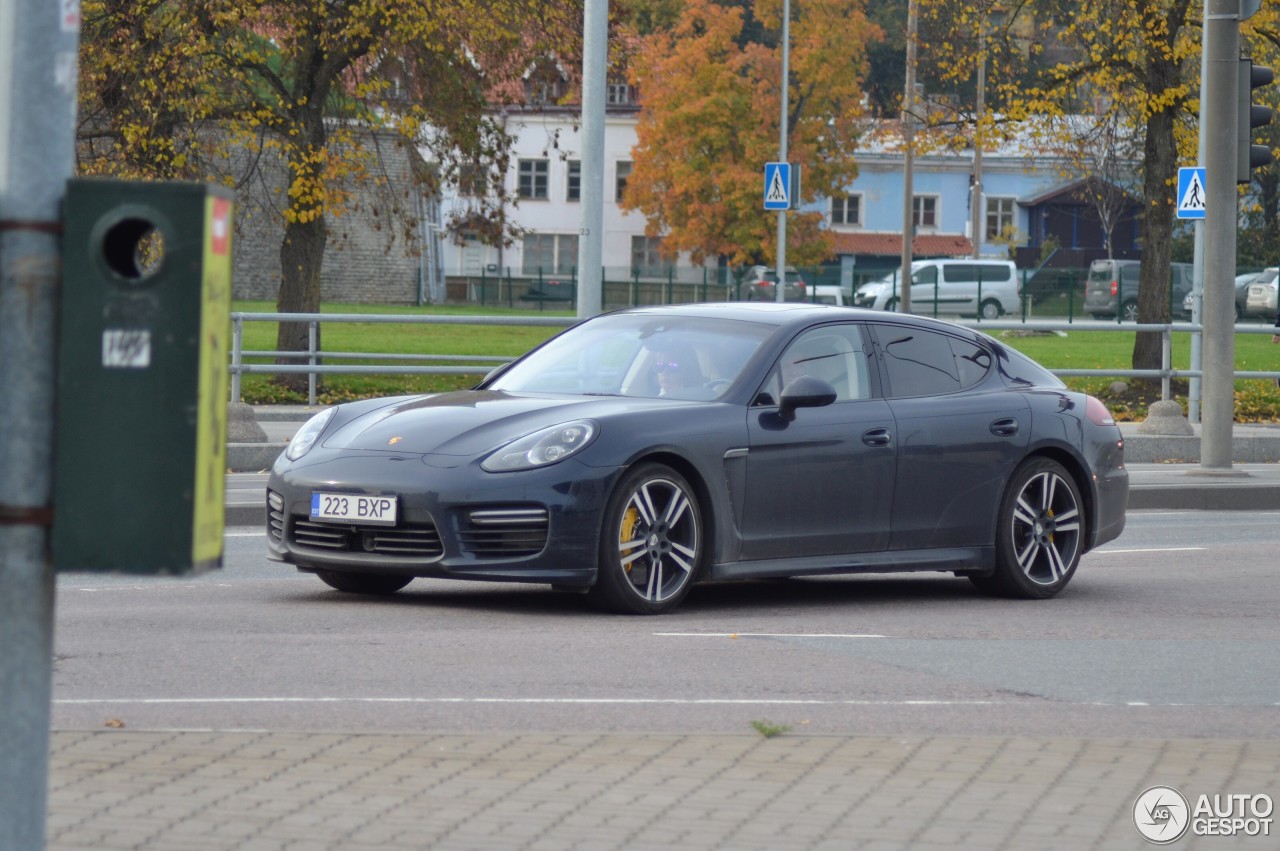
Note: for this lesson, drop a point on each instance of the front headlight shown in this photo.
(307, 436)
(542, 447)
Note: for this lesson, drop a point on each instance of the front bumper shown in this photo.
(454, 519)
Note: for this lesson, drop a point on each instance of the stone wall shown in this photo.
(373, 252)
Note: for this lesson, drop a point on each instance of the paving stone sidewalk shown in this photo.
(260, 791)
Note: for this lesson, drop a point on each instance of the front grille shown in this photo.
(504, 532)
(413, 540)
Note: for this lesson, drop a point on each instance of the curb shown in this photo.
(1169, 449)
(252, 457)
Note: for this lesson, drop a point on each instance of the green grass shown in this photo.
(392, 339)
(1256, 401)
(768, 729)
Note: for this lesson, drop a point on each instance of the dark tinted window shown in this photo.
(1018, 370)
(925, 363)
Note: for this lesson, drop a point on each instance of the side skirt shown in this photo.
(969, 560)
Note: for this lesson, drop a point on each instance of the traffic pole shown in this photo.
(39, 42)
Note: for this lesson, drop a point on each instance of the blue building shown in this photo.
(1034, 211)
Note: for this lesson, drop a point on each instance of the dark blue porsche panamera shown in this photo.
(641, 451)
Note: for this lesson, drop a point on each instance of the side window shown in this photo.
(925, 275)
(961, 273)
(833, 353)
(925, 363)
(972, 361)
(996, 272)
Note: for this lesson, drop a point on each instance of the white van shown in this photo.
(988, 288)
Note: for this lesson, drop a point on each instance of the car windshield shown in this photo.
(640, 355)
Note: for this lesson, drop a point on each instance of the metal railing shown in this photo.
(481, 364)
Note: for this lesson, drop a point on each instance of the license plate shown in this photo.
(354, 508)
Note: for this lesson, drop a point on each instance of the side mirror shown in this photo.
(805, 392)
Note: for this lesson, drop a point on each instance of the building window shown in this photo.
(471, 181)
(620, 94)
(646, 256)
(925, 213)
(846, 210)
(550, 254)
(533, 179)
(620, 178)
(573, 184)
(567, 254)
(999, 217)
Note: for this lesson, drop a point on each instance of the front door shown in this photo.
(821, 484)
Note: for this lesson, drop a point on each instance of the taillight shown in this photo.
(1115, 288)
(1097, 412)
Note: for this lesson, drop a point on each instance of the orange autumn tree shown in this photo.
(710, 115)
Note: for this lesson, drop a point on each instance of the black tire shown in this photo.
(363, 583)
(1130, 311)
(650, 544)
(1040, 533)
(990, 309)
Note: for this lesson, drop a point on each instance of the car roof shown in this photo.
(796, 313)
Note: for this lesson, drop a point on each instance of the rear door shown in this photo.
(960, 432)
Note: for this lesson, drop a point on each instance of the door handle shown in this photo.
(1007, 427)
(877, 437)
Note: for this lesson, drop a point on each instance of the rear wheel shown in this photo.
(363, 583)
(1040, 533)
(1130, 311)
(651, 543)
(990, 309)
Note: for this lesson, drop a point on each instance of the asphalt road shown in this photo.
(1170, 631)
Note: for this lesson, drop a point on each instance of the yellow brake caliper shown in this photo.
(630, 520)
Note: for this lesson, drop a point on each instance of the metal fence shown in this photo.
(394, 363)
(1045, 293)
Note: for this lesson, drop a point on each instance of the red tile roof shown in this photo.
(890, 244)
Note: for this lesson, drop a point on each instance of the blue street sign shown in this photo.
(777, 186)
(1191, 193)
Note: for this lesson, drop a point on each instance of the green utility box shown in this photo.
(142, 384)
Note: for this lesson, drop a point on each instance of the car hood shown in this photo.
(469, 422)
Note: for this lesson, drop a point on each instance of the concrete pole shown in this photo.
(908, 161)
(595, 64)
(38, 66)
(1221, 54)
(780, 291)
(979, 220)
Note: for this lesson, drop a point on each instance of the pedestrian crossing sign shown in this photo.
(777, 186)
(1191, 199)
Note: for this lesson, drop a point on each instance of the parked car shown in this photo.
(1261, 297)
(760, 284)
(1241, 293)
(551, 290)
(1113, 285)
(827, 294)
(955, 287)
(800, 440)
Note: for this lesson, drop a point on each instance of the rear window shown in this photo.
(1100, 272)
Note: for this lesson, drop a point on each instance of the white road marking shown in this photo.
(1109, 552)
(767, 635)
(605, 701)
